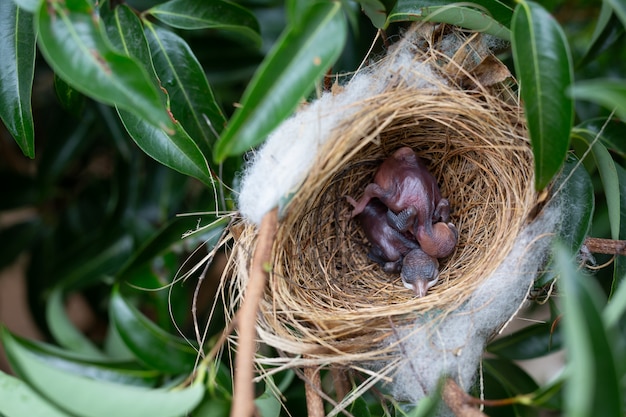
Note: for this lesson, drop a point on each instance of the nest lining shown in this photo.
(325, 298)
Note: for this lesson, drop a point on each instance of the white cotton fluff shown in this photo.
(453, 345)
(280, 166)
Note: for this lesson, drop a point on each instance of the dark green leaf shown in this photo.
(375, 10)
(174, 149)
(592, 387)
(18, 399)
(610, 132)
(167, 236)
(575, 186)
(489, 16)
(89, 397)
(18, 238)
(181, 75)
(289, 72)
(620, 9)
(608, 93)
(608, 30)
(17, 43)
(71, 100)
(619, 270)
(528, 343)
(72, 39)
(359, 408)
(64, 331)
(544, 69)
(150, 344)
(512, 381)
(177, 151)
(608, 174)
(216, 14)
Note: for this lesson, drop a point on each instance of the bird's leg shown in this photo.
(442, 211)
(402, 221)
(372, 190)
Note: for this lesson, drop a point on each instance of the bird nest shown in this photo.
(325, 299)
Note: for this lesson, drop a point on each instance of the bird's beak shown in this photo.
(420, 287)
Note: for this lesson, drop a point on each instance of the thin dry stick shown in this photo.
(606, 246)
(314, 403)
(243, 396)
(458, 401)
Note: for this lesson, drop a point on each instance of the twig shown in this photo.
(459, 401)
(341, 383)
(606, 246)
(314, 403)
(243, 396)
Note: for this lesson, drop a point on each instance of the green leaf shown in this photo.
(21, 236)
(288, 73)
(608, 174)
(592, 387)
(620, 9)
(608, 93)
(71, 100)
(181, 75)
(375, 10)
(174, 149)
(489, 16)
(18, 399)
(168, 235)
(267, 404)
(511, 381)
(150, 344)
(619, 269)
(30, 6)
(89, 397)
(64, 331)
(544, 68)
(607, 31)
(216, 14)
(610, 132)
(575, 184)
(72, 39)
(17, 66)
(528, 343)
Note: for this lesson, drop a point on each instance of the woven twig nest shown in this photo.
(325, 299)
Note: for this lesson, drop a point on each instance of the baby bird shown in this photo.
(411, 193)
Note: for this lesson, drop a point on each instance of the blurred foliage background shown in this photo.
(124, 126)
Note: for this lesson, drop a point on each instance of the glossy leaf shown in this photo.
(150, 344)
(592, 386)
(72, 39)
(608, 93)
(181, 75)
(489, 16)
(375, 10)
(64, 331)
(89, 397)
(17, 66)
(267, 404)
(216, 14)
(528, 343)
(168, 235)
(544, 68)
(620, 9)
(619, 269)
(611, 133)
(575, 186)
(18, 399)
(300, 57)
(608, 174)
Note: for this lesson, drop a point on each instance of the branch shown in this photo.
(243, 396)
(606, 246)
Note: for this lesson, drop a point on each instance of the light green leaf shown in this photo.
(608, 93)
(150, 344)
(17, 66)
(608, 174)
(72, 39)
(289, 72)
(592, 387)
(544, 68)
(17, 399)
(214, 14)
(30, 6)
(64, 331)
(489, 16)
(620, 9)
(375, 10)
(88, 397)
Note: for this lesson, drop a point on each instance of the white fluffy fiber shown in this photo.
(452, 346)
(280, 166)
